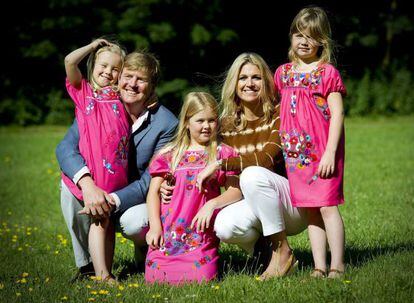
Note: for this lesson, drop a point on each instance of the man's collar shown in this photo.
(141, 119)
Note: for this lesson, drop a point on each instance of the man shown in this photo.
(153, 126)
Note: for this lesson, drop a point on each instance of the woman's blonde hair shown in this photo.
(113, 48)
(316, 21)
(194, 102)
(232, 108)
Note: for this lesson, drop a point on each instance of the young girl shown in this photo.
(182, 243)
(312, 137)
(104, 131)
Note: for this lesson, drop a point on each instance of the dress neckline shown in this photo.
(313, 70)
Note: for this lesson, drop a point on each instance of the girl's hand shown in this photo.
(154, 238)
(203, 217)
(166, 192)
(206, 174)
(99, 42)
(326, 166)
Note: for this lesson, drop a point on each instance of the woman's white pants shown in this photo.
(266, 208)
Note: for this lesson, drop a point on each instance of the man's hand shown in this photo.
(98, 203)
(166, 192)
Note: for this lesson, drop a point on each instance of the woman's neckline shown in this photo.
(254, 120)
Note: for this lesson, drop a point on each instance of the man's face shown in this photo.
(134, 86)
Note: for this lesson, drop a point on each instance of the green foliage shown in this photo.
(171, 93)
(191, 37)
(381, 94)
(61, 110)
(41, 50)
(20, 112)
(139, 41)
(200, 35)
(227, 35)
(161, 32)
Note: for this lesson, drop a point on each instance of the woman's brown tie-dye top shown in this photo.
(258, 145)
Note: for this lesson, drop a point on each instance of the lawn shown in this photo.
(36, 254)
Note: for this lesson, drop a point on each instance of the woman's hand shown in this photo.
(326, 166)
(166, 192)
(154, 237)
(206, 174)
(203, 217)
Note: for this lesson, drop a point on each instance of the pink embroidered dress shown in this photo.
(304, 130)
(104, 131)
(187, 256)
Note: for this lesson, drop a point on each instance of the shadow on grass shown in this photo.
(238, 262)
(126, 268)
(235, 261)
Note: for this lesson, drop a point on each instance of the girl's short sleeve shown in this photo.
(159, 166)
(225, 152)
(333, 82)
(80, 96)
(277, 80)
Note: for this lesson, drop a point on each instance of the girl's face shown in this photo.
(249, 84)
(305, 47)
(202, 127)
(107, 68)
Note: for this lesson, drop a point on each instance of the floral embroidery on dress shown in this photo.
(180, 238)
(90, 107)
(166, 215)
(115, 109)
(106, 94)
(292, 78)
(108, 167)
(193, 159)
(293, 104)
(152, 264)
(298, 149)
(323, 107)
(203, 261)
(190, 180)
(122, 150)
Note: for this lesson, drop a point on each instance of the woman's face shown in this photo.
(249, 84)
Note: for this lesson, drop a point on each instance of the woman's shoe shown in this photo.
(335, 273)
(289, 268)
(318, 273)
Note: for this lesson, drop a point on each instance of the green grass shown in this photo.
(36, 255)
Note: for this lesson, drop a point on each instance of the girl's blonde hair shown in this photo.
(113, 48)
(194, 102)
(316, 21)
(232, 108)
